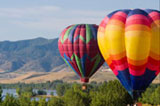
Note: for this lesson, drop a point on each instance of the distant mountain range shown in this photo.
(39, 55)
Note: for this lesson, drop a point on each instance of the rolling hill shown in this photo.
(39, 55)
(59, 73)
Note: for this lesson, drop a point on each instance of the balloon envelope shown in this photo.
(129, 41)
(79, 49)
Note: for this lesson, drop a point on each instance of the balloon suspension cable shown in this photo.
(135, 95)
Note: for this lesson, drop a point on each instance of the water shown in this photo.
(9, 91)
(13, 92)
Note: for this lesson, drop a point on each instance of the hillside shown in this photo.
(39, 55)
(59, 73)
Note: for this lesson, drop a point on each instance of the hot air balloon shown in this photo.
(129, 41)
(79, 49)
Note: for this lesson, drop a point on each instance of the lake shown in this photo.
(13, 92)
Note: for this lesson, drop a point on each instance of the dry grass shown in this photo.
(157, 79)
(64, 74)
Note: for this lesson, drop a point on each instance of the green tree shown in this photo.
(25, 99)
(76, 97)
(10, 101)
(42, 102)
(28, 90)
(54, 101)
(146, 96)
(1, 91)
(34, 103)
(155, 97)
(18, 91)
(151, 95)
(72, 98)
(99, 97)
(111, 94)
(61, 89)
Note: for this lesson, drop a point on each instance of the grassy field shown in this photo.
(64, 74)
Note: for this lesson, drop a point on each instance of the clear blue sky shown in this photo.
(27, 19)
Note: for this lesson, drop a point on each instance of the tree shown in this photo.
(34, 103)
(10, 101)
(72, 98)
(25, 99)
(61, 89)
(111, 94)
(151, 95)
(146, 96)
(42, 102)
(155, 97)
(18, 91)
(1, 91)
(54, 101)
(76, 97)
(28, 90)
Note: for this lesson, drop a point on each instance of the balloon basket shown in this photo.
(84, 81)
(84, 86)
(136, 104)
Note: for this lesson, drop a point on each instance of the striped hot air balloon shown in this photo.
(129, 41)
(79, 49)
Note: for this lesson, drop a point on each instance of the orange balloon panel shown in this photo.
(129, 41)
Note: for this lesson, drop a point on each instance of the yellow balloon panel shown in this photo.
(137, 44)
(101, 42)
(114, 36)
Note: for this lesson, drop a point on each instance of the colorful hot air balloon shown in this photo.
(79, 49)
(129, 41)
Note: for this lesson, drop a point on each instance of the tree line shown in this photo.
(47, 85)
(109, 93)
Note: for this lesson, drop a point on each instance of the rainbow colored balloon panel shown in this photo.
(129, 41)
(79, 49)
